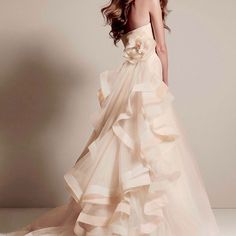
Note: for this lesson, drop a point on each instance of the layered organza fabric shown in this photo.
(135, 176)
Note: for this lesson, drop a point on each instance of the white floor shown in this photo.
(11, 219)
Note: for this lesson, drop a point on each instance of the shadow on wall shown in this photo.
(33, 94)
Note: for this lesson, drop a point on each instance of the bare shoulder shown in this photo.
(152, 4)
(144, 4)
(154, 7)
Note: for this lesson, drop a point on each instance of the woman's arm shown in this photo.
(159, 34)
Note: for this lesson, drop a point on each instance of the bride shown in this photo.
(135, 175)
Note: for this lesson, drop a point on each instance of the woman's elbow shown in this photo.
(161, 48)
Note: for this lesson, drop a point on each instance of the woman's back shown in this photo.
(138, 15)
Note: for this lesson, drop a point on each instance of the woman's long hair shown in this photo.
(116, 15)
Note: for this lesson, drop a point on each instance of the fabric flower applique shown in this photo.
(138, 48)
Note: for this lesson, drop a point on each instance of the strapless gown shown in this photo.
(136, 176)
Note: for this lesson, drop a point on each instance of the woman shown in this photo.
(135, 175)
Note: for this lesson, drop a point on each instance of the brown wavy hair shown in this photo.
(116, 15)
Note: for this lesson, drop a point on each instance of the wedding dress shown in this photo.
(135, 176)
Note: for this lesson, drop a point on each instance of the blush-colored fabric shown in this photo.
(136, 176)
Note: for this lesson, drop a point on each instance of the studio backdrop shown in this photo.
(52, 53)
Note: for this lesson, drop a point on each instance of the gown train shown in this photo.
(136, 176)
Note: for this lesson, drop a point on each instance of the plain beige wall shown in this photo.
(51, 55)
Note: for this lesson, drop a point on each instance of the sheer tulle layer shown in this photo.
(134, 153)
(135, 175)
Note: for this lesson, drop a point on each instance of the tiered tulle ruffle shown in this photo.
(152, 169)
(135, 176)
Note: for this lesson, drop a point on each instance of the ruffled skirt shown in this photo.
(135, 175)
